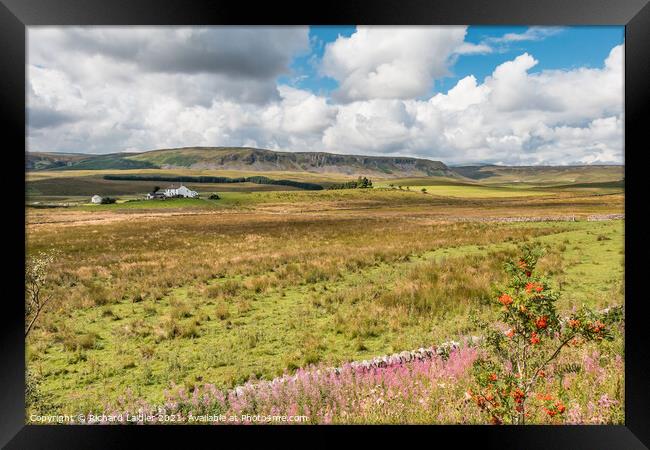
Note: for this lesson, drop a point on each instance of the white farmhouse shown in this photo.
(180, 191)
(96, 199)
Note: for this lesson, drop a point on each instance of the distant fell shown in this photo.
(243, 158)
(249, 159)
(542, 174)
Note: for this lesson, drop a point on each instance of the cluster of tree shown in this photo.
(211, 179)
(107, 200)
(360, 183)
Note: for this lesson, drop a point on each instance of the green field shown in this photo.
(320, 318)
(190, 291)
(78, 186)
(470, 191)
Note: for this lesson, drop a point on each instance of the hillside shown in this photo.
(556, 175)
(245, 159)
(46, 161)
(259, 161)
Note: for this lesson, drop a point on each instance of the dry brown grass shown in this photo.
(143, 256)
(327, 280)
(448, 285)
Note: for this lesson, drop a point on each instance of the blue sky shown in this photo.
(513, 95)
(305, 73)
(568, 48)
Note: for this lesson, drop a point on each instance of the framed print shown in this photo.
(361, 218)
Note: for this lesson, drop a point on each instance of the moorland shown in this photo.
(266, 280)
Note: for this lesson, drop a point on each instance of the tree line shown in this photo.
(213, 179)
(359, 183)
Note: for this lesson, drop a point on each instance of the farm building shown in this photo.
(154, 195)
(180, 191)
(96, 199)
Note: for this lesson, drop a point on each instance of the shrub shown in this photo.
(180, 310)
(129, 364)
(214, 197)
(251, 338)
(36, 277)
(147, 351)
(75, 342)
(150, 309)
(222, 311)
(87, 341)
(509, 373)
(229, 288)
(360, 346)
(367, 322)
(98, 294)
(36, 398)
(190, 331)
(167, 329)
(244, 305)
(258, 284)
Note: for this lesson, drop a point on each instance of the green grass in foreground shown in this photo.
(236, 327)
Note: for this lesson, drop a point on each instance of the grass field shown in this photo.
(543, 175)
(194, 291)
(76, 187)
(469, 191)
(499, 183)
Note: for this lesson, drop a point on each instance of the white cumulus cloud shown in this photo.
(391, 62)
(549, 117)
(99, 90)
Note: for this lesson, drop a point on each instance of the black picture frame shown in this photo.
(16, 15)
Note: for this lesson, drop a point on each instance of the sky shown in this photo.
(458, 94)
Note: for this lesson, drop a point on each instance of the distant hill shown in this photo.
(79, 161)
(260, 160)
(46, 161)
(242, 158)
(542, 174)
